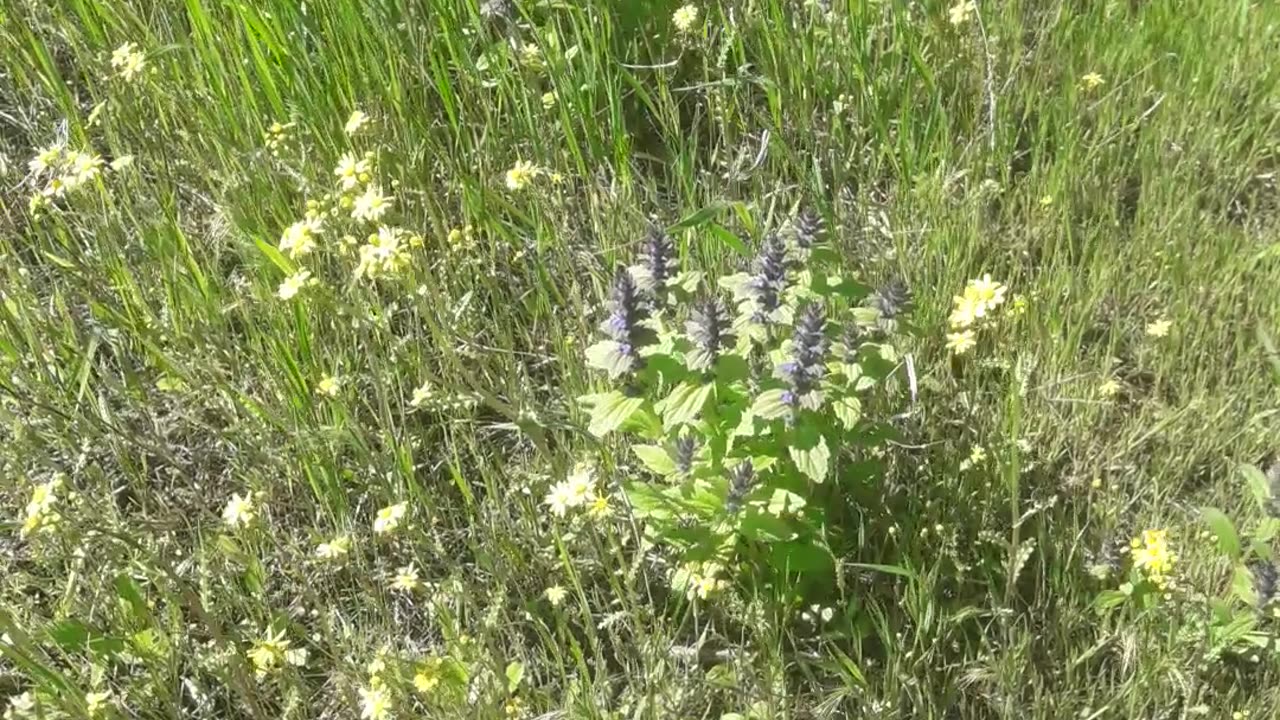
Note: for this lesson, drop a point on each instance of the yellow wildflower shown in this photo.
(962, 11)
(965, 311)
(300, 238)
(406, 579)
(988, 293)
(386, 253)
(357, 120)
(334, 549)
(685, 18)
(521, 175)
(1153, 556)
(96, 702)
(240, 511)
(128, 61)
(371, 205)
(1091, 81)
(294, 284)
(1109, 389)
(961, 342)
(268, 653)
(1159, 328)
(375, 702)
(555, 595)
(389, 518)
(329, 386)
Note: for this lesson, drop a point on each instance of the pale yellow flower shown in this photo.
(548, 100)
(268, 653)
(423, 394)
(334, 549)
(962, 11)
(531, 55)
(1091, 81)
(1159, 328)
(240, 511)
(375, 702)
(128, 61)
(1110, 388)
(555, 595)
(406, 579)
(81, 168)
(965, 311)
(961, 342)
(294, 284)
(704, 581)
(371, 205)
(388, 519)
(329, 386)
(1153, 556)
(300, 238)
(350, 170)
(988, 293)
(685, 18)
(49, 158)
(96, 703)
(386, 253)
(357, 120)
(521, 175)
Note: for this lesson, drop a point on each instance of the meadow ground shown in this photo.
(300, 299)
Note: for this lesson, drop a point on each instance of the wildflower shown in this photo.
(386, 253)
(559, 499)
(371, 205)
(531, 56)
(521, 175)
(120, 163)
(329, 386)
(658, 264)
(388, 519)
(375, 702)
(240, 511)
(581, 485)
(625, 324)
(41, 508)
(977, 456)
(987, 294)
(81, 168)
(57, 187)
(1091, 81)
(294, 284)
(128, 61)
(961, 11)
(685, 18)
(961, 342)
(1109, 389)
(268, 653)
(350, 171)
(276, 136)
(406, 579)
(686, 446)
(1018, 307)
(1152, 556)
(770, 279)
(808, 349)
(20, 706)
(964, 311)
(892, 299)
(96, 702)
(423, 394)
(703, 581)
(355, 121)
(710, 329)
(334, 549)
(548, 100)
(49, 158)
(600, 508)
(300, 238)
(741, 479)
(1159, 328)
(808, 229)
(555, 595)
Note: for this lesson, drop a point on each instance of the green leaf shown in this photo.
(606, 356)
(728, 239)
(655, 458)
(813, 461)
(1257, 482)
(515, 673)
(770, 406)
(1242, 585)
(687, 280)
(128, 591)
(1221, 526)
(802, 556)
(836, 285)
(848, 411)
(610, 411)
(651, 502)
(1108, 599)
(684, 403)
(698, 217)
(276, 258)
(735, 283)
(785, 502)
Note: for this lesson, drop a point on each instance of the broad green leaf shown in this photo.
(606, 356)
(275, 256)
(1221, 526)
(770, 405)
(1242, 585)
(1257, 482)
(785, 502)
(802, 556)
(684, 403)
(611, 410)
(735, 283)
(129, 592)
(656, 458)
(728, 239)
(687, 280)
(766, 528)
(515, 673)
(849, 411)
(1108, 599)
(698, 217)
(813, 461)
(651, 502)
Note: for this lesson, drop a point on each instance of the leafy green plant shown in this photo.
(750, 421)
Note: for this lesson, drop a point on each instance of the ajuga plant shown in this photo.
(743, 401)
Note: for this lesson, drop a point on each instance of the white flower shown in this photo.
(293, 284)
(300, 238)
(350, 170)
(555, 595)
(357, 120)
(961, 11)
(240, 511)
(334, 549)
(371, 205)
(389, 518)
(685, 18)
(406, 579)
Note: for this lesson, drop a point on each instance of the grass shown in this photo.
(150, 365)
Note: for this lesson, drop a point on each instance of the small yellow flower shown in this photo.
(521, 175)
(988, 293)
(1159, 328)
(962, 11)
(685, 18)
(49, 158)
(406, 579)
(1153, 556)
(1091, 81)
(548, 100)
(961, 342)
(268, 653)
(704, 581)
(300, 238)
(334, 549)
(386, 253)
(128, 61)
(555, 595)
(356, 121)
(388, 519)
(96, 702)
(240, 511)
(599, 508)
(1109, 388)
(427, 678)
(371, 205)
(423, 394)
(294, 284)
(329, 386)
(965, 311)
(81, 168)
(375, 702)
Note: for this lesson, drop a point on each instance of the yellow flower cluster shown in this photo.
(42, 513)
(980, 298)
(64, 170)
(277, 137)
(272, 652)
(386, 252)
(1153, 557)
(704, 580)
(128, 61)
